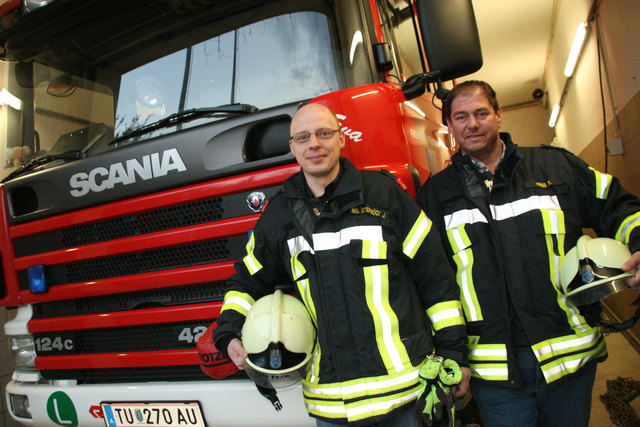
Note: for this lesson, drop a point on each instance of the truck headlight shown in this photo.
(20, 405)
(24, 352)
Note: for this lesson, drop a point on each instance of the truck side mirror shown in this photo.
(450, 37)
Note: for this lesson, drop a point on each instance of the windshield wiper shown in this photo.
(186, 116)
(41, 160)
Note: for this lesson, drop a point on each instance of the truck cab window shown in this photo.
(268, 63)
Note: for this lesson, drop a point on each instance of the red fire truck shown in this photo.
(140, 138)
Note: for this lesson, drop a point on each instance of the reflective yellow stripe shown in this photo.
(360, 409)
(297, 268)
(554, 225)
(392, 350)
(304, 291)
(374, 395)
(558, 368)
(250, 260)
(490, 371)
(238, 301)
(487, 352)
(416, 236)
(314, 368)
(361, 387)
(603, 183)
(444, 314)
(374, 250)
(627, 226)
(488, 361)
(463, 257)
(567, 344)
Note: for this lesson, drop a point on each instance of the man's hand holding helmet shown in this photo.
(237, 353)
(633, 263)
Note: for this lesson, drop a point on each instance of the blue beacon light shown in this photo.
(36, 278)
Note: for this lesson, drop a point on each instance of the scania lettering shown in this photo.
(143, 139)
(100, 178)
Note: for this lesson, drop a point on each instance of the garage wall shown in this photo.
(580, 126)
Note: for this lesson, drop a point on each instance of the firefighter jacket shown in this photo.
(506, 245)
(374, 277)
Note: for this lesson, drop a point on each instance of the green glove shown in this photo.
(435, 401)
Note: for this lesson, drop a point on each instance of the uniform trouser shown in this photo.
(534, 404)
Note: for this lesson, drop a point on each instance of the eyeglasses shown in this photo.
(322, 134)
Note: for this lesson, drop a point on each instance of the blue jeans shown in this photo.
(534, 404)
(406, 417)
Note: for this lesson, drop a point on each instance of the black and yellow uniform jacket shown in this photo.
(372, 273)
(506, 238)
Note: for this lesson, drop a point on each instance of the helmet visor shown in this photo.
(597, 291)
(275, 379)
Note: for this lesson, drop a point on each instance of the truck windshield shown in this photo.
(55, 106)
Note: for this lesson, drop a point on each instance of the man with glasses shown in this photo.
(363, 259)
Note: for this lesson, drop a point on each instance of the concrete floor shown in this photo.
(623, 361)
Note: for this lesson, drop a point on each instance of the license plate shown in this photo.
(157, 414)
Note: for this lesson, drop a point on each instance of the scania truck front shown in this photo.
(142, 138)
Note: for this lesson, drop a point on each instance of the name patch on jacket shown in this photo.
(370, 211)
(544, 184)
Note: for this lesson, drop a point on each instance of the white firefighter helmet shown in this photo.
(591, 270)
(279, 336)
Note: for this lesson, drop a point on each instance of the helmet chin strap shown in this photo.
(607, 328)
(270, 394)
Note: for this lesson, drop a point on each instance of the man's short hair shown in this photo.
(468, 87)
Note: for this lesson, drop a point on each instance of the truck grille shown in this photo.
(174, 296)
(137, 281)
(144, 262)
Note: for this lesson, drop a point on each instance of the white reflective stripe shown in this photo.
(567, 365)
(354, 412)
(238, 301)
(298, 244)
(554, 226)
(464, 216)
(560, 346)
(384, 319)
(417, 236)
(451, 313)
(333, 409)
(329, 241)
(522, 206)
(374, 250)
(498, 353)
(252, 263)
(605, 180)
(377, 407)
(458, 239)
(490, 372)
(465, 287)
(627, 227)
(367, 387)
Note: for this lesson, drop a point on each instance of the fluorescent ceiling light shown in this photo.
(554, 115)
(576, 48)
(7, 98)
